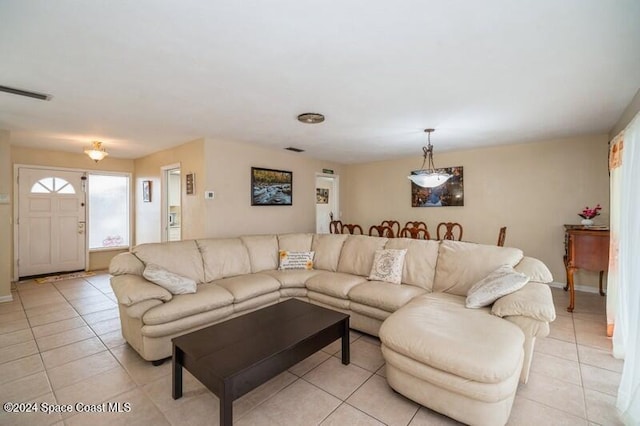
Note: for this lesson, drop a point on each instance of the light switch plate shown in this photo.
(209, 195)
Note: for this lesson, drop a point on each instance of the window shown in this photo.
(109, 217)
(52, 185)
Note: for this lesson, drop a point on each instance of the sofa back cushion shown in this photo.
(327, 248)
(357, 254)
(534, 269)
(419, 262)
(461, 265)
(224, 257)
(126, 263)
(295, 242)
(180, 257)
(263, 251)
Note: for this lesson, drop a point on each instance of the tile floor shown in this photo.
(61, 344)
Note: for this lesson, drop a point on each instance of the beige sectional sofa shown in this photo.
(463, 362)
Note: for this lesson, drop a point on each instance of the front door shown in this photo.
(51, 221)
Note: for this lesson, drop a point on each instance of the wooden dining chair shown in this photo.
(415, 224)
(450, 229)
(393, 224)
(415, 233)
(351, 228)
(502, 235)
(335, 227)
(382, 231)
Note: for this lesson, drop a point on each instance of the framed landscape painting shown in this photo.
(450, 193)
(271, 187)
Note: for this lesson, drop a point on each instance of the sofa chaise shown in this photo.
(465, 363)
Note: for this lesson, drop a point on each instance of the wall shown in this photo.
(228, 167)
(630, 111)
(148, 216)
(533, 189)
(6, 228)
(40, 157)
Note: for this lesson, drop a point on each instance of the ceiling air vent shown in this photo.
(294, 149)
(26, 93)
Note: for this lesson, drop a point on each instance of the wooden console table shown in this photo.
(585, 248)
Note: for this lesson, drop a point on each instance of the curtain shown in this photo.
(626, 335)
(615, 163)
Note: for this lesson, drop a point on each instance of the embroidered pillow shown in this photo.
(387, 266)
(504, 280)
(296, 260)
(176, 284)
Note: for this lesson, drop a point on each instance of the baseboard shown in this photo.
(583, 288)
(8, 298)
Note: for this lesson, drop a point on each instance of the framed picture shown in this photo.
(146, 191)
(450, 193)
(322, 195)
(271, 187)
(190, 183)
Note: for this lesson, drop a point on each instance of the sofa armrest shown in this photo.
(126, 263)
(137, 310)
(534, 300)
(130, 289)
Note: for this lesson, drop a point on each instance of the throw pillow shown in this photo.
(176, 284)
(296, 260)
(502, 281)
(387, 265)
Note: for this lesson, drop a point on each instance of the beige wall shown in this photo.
(148, 216)
(228, 166)
(6, 232)
(79, 161)
(533, 189)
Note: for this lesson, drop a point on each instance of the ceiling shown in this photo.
(146, 75)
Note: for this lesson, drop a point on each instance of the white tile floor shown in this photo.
(60, 343)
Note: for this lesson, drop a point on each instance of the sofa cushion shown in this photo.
(294, 278)
(263, 251)
(180, 257)
(290, 260)
(384, 295)
(208, 297)
(224, 257)
(419, 262)
(436, 329)
(295, 242)
(174, 283)
(357, 254)
(132, 289)
(327, 248)
(334, 284)
(504, 280)
(126, 263)
(244, 287)
(534, 269)
(461, 265)
(387, 265)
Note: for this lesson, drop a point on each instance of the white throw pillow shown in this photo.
(504, 280)
(296, 260)
(176, 284)
(387, 266)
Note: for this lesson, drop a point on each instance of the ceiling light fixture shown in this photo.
(311, 118)
(430, 177)
(96, 152)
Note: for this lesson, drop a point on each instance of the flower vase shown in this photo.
(586, 222)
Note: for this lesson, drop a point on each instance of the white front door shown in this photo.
(51, 221)
(327, 202)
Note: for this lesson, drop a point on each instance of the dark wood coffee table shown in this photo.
(233, 357)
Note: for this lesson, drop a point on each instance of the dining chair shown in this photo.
(393, 224)
(415, 233)
(335, 227)
(382, 231)
(350, 228)
(501, 236)
(449, 229)
(415, 224)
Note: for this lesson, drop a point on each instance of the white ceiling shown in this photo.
(146, 75)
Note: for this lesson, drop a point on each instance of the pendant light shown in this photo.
(96, 152)
(430, 177)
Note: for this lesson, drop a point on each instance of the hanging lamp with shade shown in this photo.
(429, 177)
(96, 151)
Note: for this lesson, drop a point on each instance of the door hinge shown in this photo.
(18, 262)
(18, 221)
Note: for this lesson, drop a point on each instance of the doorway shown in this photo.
(327, 201)
(51, 221)
(172, 203)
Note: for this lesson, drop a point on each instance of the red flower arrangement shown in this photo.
(588, 213)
